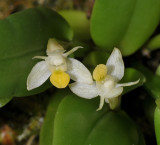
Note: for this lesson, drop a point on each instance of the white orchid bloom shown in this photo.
(106, 80)
(56, 66)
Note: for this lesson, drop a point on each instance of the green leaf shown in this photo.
(4, 101)
(152, 81)
(78, 122)
(47, 130)
(132, 75)
(79, 22)
(24, 35)
(125, 24)
(154, 43)
(157, 124)
(158, 103)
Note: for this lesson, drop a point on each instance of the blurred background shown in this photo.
(8, 7)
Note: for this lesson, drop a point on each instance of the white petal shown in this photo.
(101, 103)
(115, 65)
(39, 57)
(38, 75)
(106, 93)
(115, 92)
(72, 51)
(106, 100)
(128, 84)
(102, 90)
(52, 46)
(84, 90)
(78, 72)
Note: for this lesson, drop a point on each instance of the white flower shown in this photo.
(56, 66)
(106, 80)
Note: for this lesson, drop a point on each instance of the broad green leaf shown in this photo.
(154, 43)
(24, 35)
(78, 122)
(132, 75)
(4, 101)
(124, 24)
(157, 124)
(79, 22)
(47, 130)
(152, 81)
(158, 102)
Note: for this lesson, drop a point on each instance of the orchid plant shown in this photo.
(70, 111)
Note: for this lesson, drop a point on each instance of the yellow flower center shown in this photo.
(100, 72)
(59, 79)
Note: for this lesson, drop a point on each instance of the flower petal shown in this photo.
(101, 103)
(128, 84)
(78, 72)
(84, 90)
(115, 93)
(115, 65)
(106, 93)
(52, 46)
(38, 75)
(72, 51)
(39, 57)
(102, 90)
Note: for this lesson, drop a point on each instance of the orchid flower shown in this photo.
(55, 65)
(106, 80)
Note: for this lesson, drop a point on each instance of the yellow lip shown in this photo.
(59, 79)
(100, 72)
